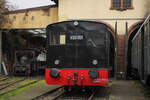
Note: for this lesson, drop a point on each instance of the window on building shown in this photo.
(121, 4)
(116, 3)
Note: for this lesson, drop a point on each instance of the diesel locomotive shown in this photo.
(79, 53)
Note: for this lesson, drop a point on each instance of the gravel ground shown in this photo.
(119, 90)
(128, 90)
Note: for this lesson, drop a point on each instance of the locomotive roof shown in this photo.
(66, 23)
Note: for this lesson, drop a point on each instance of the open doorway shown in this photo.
(132, 33)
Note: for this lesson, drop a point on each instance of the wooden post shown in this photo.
(116, 51)
(126, 49)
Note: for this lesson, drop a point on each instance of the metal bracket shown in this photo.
(69, 77)
(69, 80)
(75, 79)
(82, 78)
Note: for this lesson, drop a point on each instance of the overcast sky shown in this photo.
(23, 4)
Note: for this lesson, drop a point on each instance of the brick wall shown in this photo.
(121, 54)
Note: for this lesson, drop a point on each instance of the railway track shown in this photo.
(100, 93)
(19, 87)
(54, 94)
(3, 79)
(8, 85)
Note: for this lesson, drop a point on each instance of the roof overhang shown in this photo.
(56, 1)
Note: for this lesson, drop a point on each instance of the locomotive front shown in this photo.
(25, 63)
(79, 54)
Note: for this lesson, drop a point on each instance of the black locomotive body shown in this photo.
(78, 46)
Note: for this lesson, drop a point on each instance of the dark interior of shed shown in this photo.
(13, 40)
(129, 65)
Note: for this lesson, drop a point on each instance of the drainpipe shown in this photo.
(126, 50)
(116, 51)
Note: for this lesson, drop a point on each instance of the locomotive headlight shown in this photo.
(57, 62)
(95, 62)
(76, 23)
(24, 60)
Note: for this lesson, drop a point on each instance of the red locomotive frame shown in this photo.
(102, 80)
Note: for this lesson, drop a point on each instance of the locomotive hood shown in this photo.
(78, 43)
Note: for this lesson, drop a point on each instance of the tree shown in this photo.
(3, 8)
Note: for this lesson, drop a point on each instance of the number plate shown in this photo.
(76, 37)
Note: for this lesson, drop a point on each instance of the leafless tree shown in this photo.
(3, 8)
